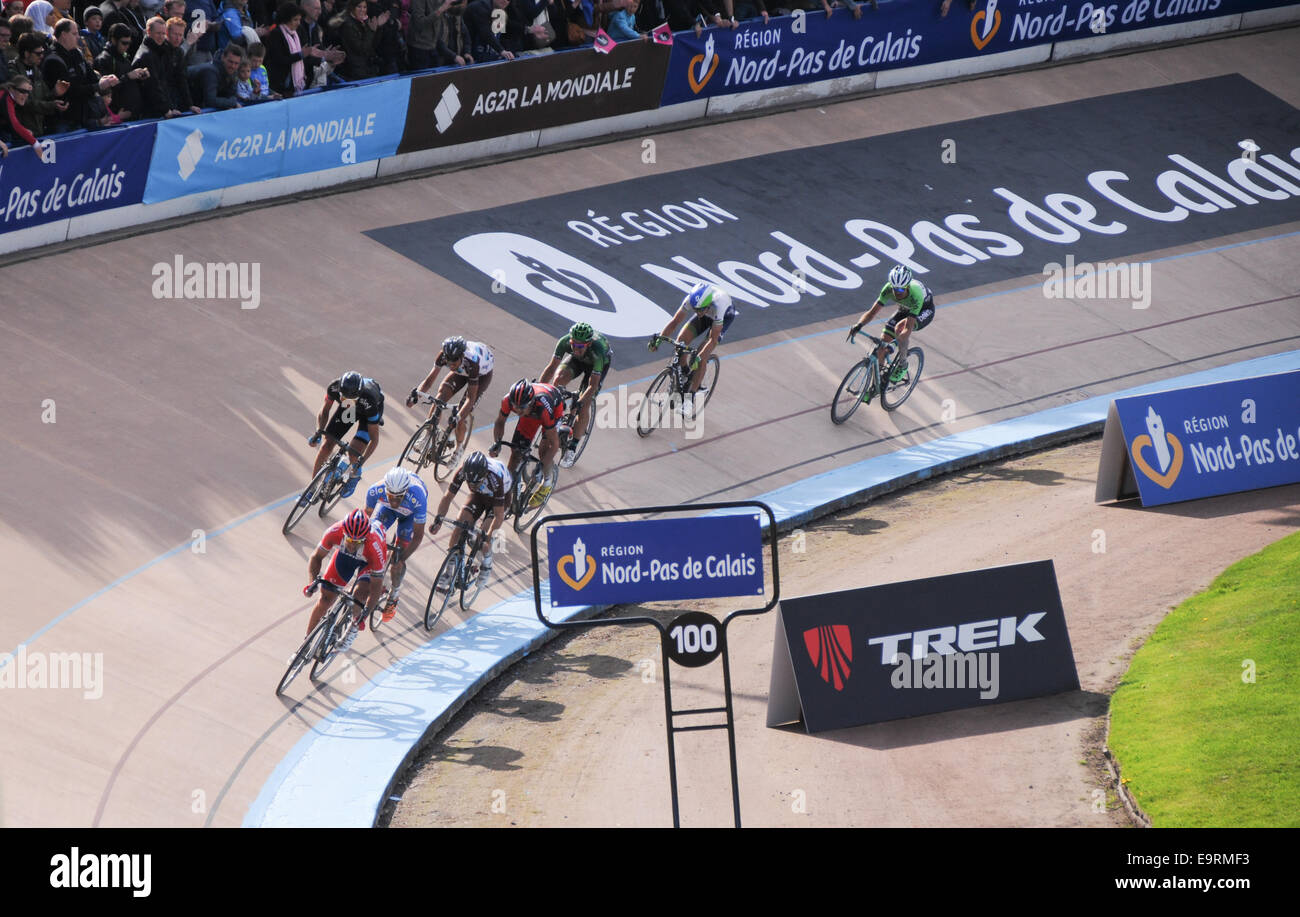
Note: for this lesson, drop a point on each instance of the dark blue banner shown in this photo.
(609, 563)
(805, 48)
(225, 148)
(83, 173)
(1213, 439)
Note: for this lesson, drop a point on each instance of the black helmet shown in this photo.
(476, 467)
(453, 349)
(350, 385)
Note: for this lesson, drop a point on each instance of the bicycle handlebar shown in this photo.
(338, 442)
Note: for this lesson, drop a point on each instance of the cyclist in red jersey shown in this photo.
(539, 406)
(361, 552)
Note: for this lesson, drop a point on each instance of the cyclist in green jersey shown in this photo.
(584, 351)
(915, 311)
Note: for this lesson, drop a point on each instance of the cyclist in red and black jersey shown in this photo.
(539, 406)
(359, 550)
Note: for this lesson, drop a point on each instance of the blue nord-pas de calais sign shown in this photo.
(610, 563)
(1213, 439)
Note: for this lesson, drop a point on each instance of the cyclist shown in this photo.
(402, 498)
(360, 401)
(470, 367)
(581, 350)
(705, 308)
(361, 552)
(915, 311)
(489, 484)
(538, 405)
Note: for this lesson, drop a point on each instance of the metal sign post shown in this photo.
(693, 639)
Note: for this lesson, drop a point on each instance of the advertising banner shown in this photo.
(925, 646)
(1212, 439)
(76, 175)
(609, 563)
(808, 235)
(805, 48)
(476, 103)
(220, 149)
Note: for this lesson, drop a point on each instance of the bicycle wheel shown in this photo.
(470, 588)
(312, 493)
(418, 447)
(657, 403)
(528, 513)
(848, 397)
(340, 622)
(895, 393)
(377, 613)
(708, 384)
(438, 603)
(445, 455)
(332, 492)
(305, 652)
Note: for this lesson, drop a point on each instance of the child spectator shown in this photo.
(260, 78)
(91, 34)
(244, 84)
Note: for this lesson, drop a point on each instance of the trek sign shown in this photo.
(610, 563)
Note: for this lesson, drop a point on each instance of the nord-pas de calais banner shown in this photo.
(925, 646)
(1203, 441)
(80, 174)
(306, 134)
(805, 48)
(809, 235)
(476, 103)
(609, 563)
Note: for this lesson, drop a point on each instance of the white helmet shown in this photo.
(397, 481)
(900, 276)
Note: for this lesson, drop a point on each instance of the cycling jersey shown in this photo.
(494, 487)
(344, 565)
(407, 514)
(917, 295)
(596, 357)
(710, 311)
(476, 362)
(548, 406)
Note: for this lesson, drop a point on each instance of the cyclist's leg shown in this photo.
(336, 428)
(462, 426)
(583, 417)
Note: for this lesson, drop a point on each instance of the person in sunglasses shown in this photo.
(358, 550)
(915, 311)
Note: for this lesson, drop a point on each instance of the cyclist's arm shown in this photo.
(550, 370)
(314, 562)
(428, 380)
(415, 540)
(870, 313)
(324, 414)
(590, 391)
(674, 323)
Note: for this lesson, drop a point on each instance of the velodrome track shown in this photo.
(177, 420)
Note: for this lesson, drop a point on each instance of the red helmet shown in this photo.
(521, 394)
(357, 524)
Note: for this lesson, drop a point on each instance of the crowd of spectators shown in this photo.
(65, 68)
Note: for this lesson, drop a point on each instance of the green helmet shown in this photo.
(582, 332)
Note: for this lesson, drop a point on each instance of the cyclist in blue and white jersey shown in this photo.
(470, 367)
(706, 308)
(400, 498)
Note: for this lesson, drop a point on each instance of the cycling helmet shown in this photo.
(476, 467)
(350, 385)
(453, 349)
(701, 295)
(581, 332)
(521, 394)
(397, 481)
(900, 276)
(357, 524)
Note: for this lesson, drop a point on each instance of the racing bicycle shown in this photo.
(671, 388)
(570, 400)
(386, 583)
(429, 445)
(325, 488)
(460, 572)
(867, 378)
(525, 486)
(323, 642)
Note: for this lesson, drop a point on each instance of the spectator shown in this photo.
(244, 82)
(13, 128)
(311, 34)
(65, 64)
(484, 43)
(286, 72)
(427, 42)
(43, 16)
(214, 82)
(6, 46)
(261, 82)
(155, 56)
(622, 22)
(45, 104)
(174, 8)
(457, 36)
(528, 27)
(175, 83)
(234, 19)
(127, 99)
(91, 34)
(389, 50)
(357, 33)
(129, 14)
(205, 42)
(14, 8)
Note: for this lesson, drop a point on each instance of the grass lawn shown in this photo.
(1206, 722)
